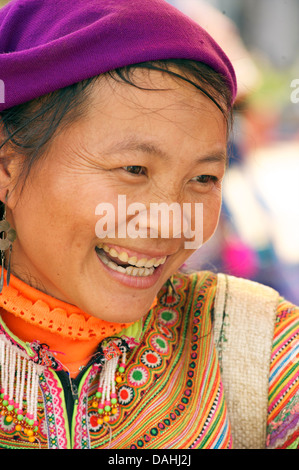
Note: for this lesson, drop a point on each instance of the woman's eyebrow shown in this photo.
(151, 148)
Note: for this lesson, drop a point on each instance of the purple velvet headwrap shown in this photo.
(49, 44)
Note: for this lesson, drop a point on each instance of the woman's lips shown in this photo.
(126, 256)
(143, 275)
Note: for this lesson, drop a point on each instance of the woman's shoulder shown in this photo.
(224, 285)
(241, 303)
(256, 334)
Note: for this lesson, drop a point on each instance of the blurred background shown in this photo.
(258, 233)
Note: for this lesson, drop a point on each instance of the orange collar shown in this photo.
(33, 315)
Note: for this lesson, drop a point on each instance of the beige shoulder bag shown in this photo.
(244, 317)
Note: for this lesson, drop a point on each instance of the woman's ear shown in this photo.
(5, 179)
(8, 171)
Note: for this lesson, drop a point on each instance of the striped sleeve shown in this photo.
(283, 410)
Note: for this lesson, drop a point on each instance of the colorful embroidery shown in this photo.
(151, 359)
(81, 430)
(160, 344)
(125, 395)
(137, 376)
(283, 411)
(54, 413)
(166, 402)
(167, 316)
(43, 356)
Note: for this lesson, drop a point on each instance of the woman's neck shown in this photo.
(33, 315)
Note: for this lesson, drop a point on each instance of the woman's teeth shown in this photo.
(142, 267)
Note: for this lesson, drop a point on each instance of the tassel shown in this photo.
(19, 378)
(110, 378)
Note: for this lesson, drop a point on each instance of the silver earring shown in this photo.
(8, 236)
(170, 290)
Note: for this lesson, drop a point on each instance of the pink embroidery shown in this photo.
(81, 431)
(44, 356)
(111, 351)
(54, 412)
(130, 341)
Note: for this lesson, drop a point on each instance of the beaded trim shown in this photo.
(112, 360)
(19, 382)
(20, 375)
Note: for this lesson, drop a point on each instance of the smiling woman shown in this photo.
(103, 342)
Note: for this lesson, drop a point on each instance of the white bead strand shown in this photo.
(2, 362)
(5, 366)
(18, 377)
(19, 385)
(22, 384)
(11, 377)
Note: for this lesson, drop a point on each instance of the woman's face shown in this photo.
(162, 146)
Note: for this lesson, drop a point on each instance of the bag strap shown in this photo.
(244, 318)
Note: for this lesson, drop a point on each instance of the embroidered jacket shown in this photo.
(171, 395)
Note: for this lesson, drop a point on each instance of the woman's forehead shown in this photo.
(153, 94)
(122, 119)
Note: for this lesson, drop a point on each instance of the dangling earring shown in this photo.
(170, 290)
(8, 236)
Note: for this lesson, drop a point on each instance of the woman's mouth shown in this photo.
(122, 262)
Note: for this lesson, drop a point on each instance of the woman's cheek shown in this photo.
(211, 213)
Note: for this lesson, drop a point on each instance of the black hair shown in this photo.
(28, 128)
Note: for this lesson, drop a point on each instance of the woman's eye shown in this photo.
(205, 179)
(134, 169)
